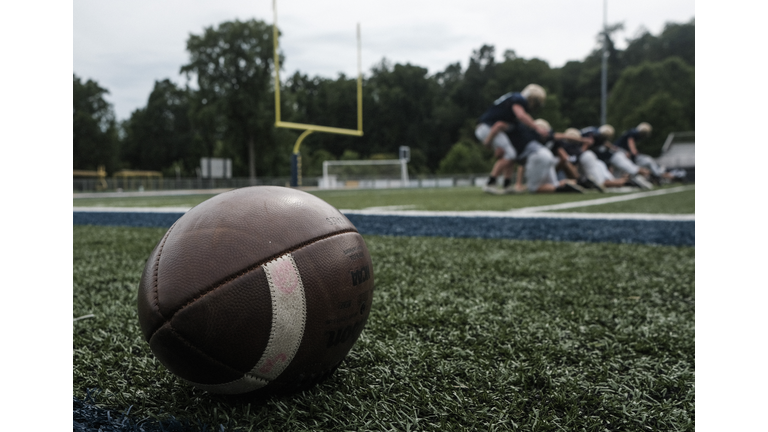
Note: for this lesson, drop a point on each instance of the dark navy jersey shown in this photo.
(521, 135)
(623, 141)
(593, 132)
(572, 148)
(502, 109)
(602, 152)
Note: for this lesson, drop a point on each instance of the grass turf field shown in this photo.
(456, 199)
(465, 334)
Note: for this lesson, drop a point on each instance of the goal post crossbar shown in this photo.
(310, 127)
(364, 162)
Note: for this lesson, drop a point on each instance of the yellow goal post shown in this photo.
(309, 128)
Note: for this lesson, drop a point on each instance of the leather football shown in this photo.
(257, 289)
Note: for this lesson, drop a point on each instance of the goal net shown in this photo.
(385, 173)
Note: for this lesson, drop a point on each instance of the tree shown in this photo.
(581, 81)
(160, 135)
(94, 130)
(662, 93)
(324, 102)
(312, 162)
(402, 102)
(676, 40)
(233, 65)
(465, 158)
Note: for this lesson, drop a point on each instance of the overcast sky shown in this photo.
(126, 45)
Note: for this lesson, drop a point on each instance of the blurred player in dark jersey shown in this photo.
(595, 167)
(628, 142)
(506, 117)
(539, 162)
(614, 157)
(569, 150)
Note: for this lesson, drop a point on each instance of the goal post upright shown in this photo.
(308, 128)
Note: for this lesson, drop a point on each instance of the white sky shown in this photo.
(126, 46)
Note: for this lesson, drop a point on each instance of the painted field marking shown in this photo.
(429, 213)
(601, 201)
(522, 213)
(392, 207)
(525, 215)
(81, 195)
(132, 209)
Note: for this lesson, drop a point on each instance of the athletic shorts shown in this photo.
(539, 166)
(620, 161)
(594, 167)
(501, 140)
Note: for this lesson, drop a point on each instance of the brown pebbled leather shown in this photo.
(204, 302)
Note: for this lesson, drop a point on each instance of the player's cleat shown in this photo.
(678, 174)
(588, 182)
(511, 190)
(493, 190)
(640, 181)
(570, 187)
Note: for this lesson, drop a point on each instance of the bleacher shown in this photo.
(679, 151)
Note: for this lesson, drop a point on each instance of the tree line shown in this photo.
(231, 111)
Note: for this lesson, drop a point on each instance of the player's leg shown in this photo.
(621, 162)
(645, 161)
(610, 180)
(540, 170)
(501, 143)
(591, 166)
(637, 174)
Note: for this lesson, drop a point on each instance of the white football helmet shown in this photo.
(535, 95)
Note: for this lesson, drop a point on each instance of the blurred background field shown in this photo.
(447, 199)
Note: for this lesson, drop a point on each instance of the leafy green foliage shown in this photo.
(464, 334)
(676, 40)
(312, 161)
(94, 131)
(661, 94)
(233, 65)
(404, 99)
(161, 134)
(466, 158)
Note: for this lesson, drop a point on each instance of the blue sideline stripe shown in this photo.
(132, 219)
(679, 233)
(662, 232)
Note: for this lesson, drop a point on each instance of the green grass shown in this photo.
(673, 203)
(464, 334)
(455, 199)
(146, 201)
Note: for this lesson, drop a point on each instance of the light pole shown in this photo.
(604, 81)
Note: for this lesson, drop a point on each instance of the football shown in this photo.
(259, 289)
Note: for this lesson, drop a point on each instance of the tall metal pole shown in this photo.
(604, 83)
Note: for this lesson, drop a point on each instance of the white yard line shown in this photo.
(392, 207)
(131, 209)
(526, 215)
(150, 193)
(523, 213)
(425, 213)
(601, 201)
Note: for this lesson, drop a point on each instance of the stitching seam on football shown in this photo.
(198, 350)
(157, 268)
(254, 267)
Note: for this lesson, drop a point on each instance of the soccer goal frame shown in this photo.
(329, 183)
(309, 128)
